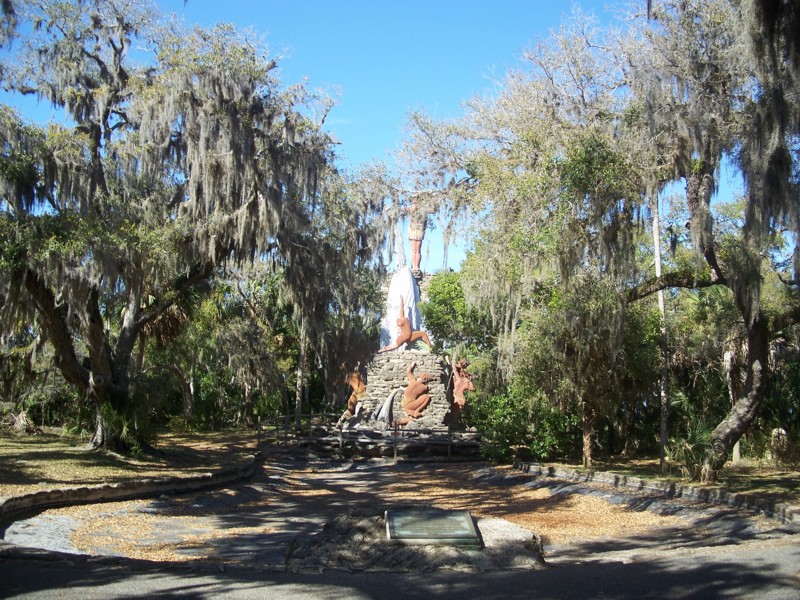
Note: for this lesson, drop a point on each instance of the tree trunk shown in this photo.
(629, 450)
(108, 379)
(662, 342)
(744, 412)
(100, 438)
(587, 424)
(187, 390)
(191, 396)
(734, 373)
(246, 416)
(301, 374)
(286, 404)
(104, 375)
(108, 432)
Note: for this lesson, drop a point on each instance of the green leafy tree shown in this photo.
(717, 79)
(575, 354)
(451, 322)
(171, 164)
(564, 162)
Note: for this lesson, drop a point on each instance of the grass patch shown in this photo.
(746, 477)
(30, 463)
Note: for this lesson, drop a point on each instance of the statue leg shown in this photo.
(416, 254)
(421, 335)
(415, 407)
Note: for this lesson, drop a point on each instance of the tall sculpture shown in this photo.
(402, 287)
(393, 394)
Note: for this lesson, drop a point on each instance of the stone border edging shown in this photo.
(14, 507)
(782, 512)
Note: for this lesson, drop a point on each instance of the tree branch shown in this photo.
(676, 279)
(54, 318)
(183, 283)
(784, 320)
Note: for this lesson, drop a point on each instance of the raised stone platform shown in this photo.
(386, 381)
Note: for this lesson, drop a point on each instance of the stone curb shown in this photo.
(781, 511)
(15, 507)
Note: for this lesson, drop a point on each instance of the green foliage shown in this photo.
(52, 403)
(504, 423)
(553, 432)
(194, 160)
(690, 447)
(123, 432)
(782, 405)
(212, 401)
(593, 168)
(188, 159)
(573, 344)
(511, 422)
(268, 405)
(449, 319)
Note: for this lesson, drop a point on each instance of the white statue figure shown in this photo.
(402, 289)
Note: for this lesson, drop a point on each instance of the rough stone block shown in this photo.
(386, 379)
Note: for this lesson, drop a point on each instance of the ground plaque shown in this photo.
(431, 526)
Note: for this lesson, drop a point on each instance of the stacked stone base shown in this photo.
(386, 381)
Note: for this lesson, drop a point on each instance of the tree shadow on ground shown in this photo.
(52, 461)
(77, 577)
(293, 499)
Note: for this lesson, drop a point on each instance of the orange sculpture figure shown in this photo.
(416, 396)
(359, 387)
(406, 336)
(462, 382)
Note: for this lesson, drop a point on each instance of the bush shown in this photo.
(508, 423)
(552, 432)
(502, 421)
(690, 449)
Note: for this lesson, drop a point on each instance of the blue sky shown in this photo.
(388, 58)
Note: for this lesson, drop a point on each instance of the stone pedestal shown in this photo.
(386, 381)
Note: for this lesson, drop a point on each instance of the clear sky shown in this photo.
(387, 58)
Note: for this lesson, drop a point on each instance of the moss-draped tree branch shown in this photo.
(673, 279)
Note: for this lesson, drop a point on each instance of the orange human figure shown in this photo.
(415, 396)
(462, 382)
(406, 336)
(359, 387)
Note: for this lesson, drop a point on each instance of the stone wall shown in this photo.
(386, 376)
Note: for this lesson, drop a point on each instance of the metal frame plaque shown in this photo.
(431, 526)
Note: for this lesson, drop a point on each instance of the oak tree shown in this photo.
(179, 153)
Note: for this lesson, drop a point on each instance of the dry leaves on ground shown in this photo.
(557, 519)
(131, 528)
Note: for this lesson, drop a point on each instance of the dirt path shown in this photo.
(280, 514)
